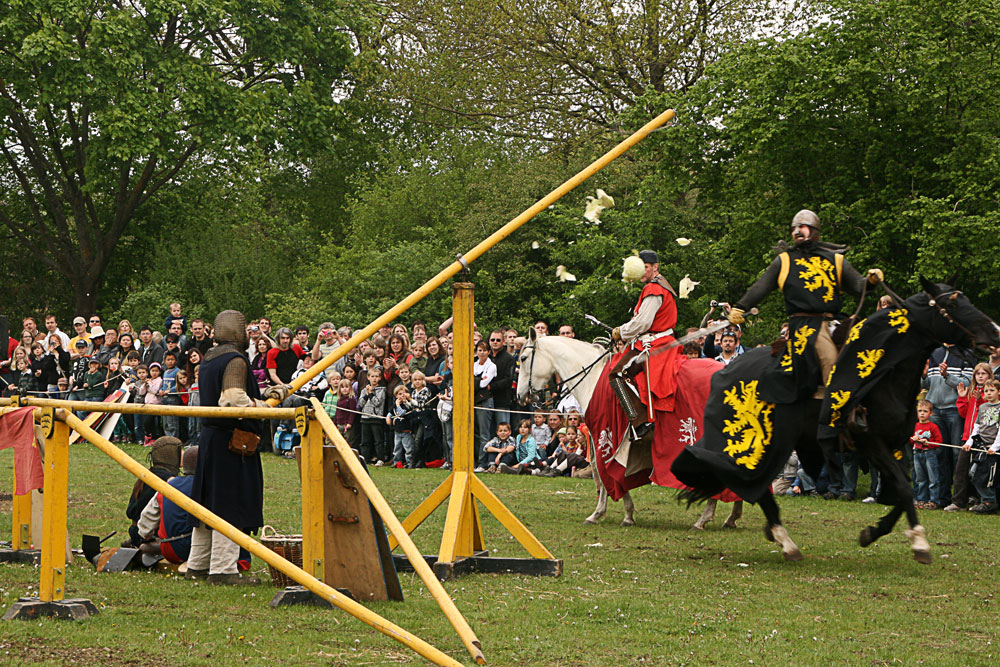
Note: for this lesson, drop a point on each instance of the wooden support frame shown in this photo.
(463, 547)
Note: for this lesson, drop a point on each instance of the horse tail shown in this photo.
(696, 496)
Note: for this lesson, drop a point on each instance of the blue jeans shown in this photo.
(171, 423)
(951, 425)
(447, 439)
(405, 446)
(849, 462)
(483, 419)
(925, 475)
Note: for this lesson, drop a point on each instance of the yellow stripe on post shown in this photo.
(313, 500)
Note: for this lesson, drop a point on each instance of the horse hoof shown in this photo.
(768, 534)
(793, 555)
(923, 557)
(866, 537)
(591, 520)
(628, 522)
(698, 526)
(729, 524)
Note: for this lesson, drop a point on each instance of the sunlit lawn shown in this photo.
(657, 593)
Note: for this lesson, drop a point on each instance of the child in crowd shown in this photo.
(567, 456)
(26, 381)
(418, 362)
(372, 405)
(558, 429)
(526, 451)
(316, 387)
(183, 392)
(540, 431)
(141, 387)
(347, 416)
(93, 381)
(149, 390)
(194, 398)
(575, 419)
(444, 409)
(984, 435)
(968, 402)
(62, 388)
(175, 316)
(925, 464)
(351, 375)
(168, 394)
(426, 434)
(130, 382)
(501, 448)
(401, 419)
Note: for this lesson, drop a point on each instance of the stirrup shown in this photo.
(641, 431)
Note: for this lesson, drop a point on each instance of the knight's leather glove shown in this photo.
(616, 334)
(278, 392)
(736, 316)
(875, 276)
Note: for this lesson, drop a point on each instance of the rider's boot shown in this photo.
(635, 411)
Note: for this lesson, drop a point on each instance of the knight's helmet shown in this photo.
(809, 219)
(231, 327)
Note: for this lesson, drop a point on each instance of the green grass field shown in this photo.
(654, 594)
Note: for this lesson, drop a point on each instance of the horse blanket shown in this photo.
(674, 431)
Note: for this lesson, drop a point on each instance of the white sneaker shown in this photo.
(869, 499)
(479, 469)
(379, 463)
(952, 508)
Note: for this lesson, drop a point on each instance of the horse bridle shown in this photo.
(582, 373)
(935, 302)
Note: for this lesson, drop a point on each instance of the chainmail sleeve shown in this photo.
(850, 280)
(234, 383)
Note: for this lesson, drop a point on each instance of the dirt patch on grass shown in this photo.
(37, 653)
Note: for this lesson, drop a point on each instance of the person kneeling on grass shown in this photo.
(165, 462)
(984, 435)
(567, 457)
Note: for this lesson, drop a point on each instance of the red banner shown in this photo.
(17, 430)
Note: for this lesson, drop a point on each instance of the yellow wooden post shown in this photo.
(313, 502)
(21, 529)
(462, 416)
(52, 573)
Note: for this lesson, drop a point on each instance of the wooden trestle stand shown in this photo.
(463, 548)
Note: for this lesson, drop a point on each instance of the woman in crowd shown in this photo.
(126, 343)
(125, 327)
(435, 362)
(193, 360)
(259, 364)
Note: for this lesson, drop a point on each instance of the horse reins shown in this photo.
(560, 385)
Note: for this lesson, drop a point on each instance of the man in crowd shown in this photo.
(542, 328)
(29, 325)
(567, 331)
(728, 346)
(199, 337)
(80, 326)
(52, 327)
(149, 351)
(502, 385)
(302, 336)
(177, 329)
(509, 337)
(946, 369)
(283, 360)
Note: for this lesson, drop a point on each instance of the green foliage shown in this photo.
(150, 305)
(884, 120)
(103, 104)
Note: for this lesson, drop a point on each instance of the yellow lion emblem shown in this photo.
(838, 400)
(818, 273)
(867, 360)
(752, 425)
(898, 320)
(802, 335)
(855, 331)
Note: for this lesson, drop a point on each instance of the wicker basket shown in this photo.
(288, 547)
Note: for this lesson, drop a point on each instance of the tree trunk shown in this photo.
(85, 295)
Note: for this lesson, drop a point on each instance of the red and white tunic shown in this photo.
(651, 327)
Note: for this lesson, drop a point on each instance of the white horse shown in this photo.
(580, 364)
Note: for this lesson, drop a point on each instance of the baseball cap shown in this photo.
(79, 320)
(81, 343)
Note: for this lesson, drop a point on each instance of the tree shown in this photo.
(105, 104)
(884, 120)
(549, 70)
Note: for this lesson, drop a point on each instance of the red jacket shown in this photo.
(969, 410)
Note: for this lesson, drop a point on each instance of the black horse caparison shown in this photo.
(939, 314)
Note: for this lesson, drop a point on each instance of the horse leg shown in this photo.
(774, 531)
(629, 519)
(893, 474)
(706, 516)
(734, 515)
(602, 503)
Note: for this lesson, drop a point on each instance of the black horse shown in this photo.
(747, 440)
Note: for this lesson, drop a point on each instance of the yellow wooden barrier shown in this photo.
(52, 585)
(239, 537)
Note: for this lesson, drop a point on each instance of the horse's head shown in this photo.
(955, 320)
(537, 367)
